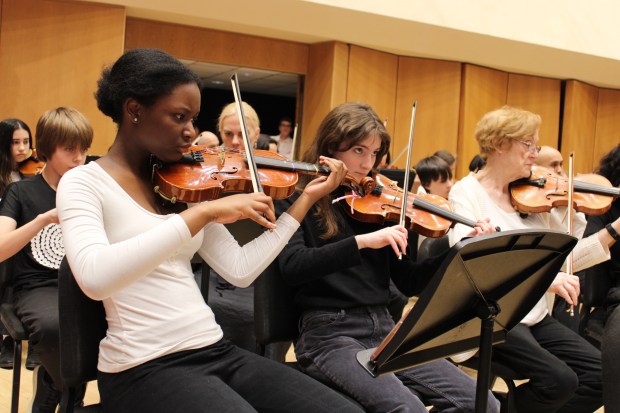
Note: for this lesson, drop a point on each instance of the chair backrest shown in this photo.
(597, 283)
(433, 246)
(276, 316)
(6, 281)
(82, 326)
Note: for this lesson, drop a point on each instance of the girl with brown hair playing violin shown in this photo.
(163, 351)
(341, 268)
(563, 369)
(15, 148)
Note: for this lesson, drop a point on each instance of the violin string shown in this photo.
(353, 197)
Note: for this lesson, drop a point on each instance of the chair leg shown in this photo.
(17, 367)
(510, 402)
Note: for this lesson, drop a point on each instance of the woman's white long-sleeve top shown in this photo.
(138, 264)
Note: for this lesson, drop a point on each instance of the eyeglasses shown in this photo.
(530, 145)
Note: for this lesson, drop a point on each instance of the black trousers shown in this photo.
(38, 311)
(564, 370)
(218, 378)
(611, 362)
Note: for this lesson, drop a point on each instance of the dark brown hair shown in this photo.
(349, 123)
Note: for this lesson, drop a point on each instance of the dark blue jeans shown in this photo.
(218, 378)
(327, 350)
(564, 370)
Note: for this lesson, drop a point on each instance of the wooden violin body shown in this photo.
(31, 166)
(209, 173)
(593, 194)
(428, 215)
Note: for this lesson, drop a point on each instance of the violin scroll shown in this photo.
(32, 165)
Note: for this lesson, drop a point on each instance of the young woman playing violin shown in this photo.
(563, 369)
(234, 307)
(15, 147)
(342, 267)
(230, 128)
(163, 351)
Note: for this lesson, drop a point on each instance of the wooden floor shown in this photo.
(92, 394)
(25, 389)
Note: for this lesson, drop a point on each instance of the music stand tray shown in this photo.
(483, 288)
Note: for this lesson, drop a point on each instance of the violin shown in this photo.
(543, 190)
(380, 201)
(32, 165)
(208, 173)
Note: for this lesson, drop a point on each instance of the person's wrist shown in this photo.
(310, 199)
(359, 239)
(613, 232)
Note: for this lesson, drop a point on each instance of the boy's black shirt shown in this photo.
(35, 265)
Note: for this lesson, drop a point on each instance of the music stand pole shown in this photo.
(487, 313)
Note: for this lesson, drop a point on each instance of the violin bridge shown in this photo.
(221, 157)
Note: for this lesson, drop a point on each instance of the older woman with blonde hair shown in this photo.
(563, 369)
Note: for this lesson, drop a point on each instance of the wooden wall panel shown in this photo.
(435, 85)
(52, 55)
(372, 79)
(325, 87)
(579, 124)
(607, 134)
(215, 46)
(482, 91)
(539, 95)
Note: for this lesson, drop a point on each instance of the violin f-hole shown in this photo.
(558, 194)
(232, 171)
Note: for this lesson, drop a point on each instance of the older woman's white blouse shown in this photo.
(471, 200)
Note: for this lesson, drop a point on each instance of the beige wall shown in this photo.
(52, 55)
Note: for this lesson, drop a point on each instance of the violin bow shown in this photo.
(294, 142)
(402, 151)
(571, 187)
(403, 205)
(249, 151)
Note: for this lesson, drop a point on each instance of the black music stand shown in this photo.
(483, 288)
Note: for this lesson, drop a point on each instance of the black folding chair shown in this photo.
(596, 284)
(82, 326)
(13, 326)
